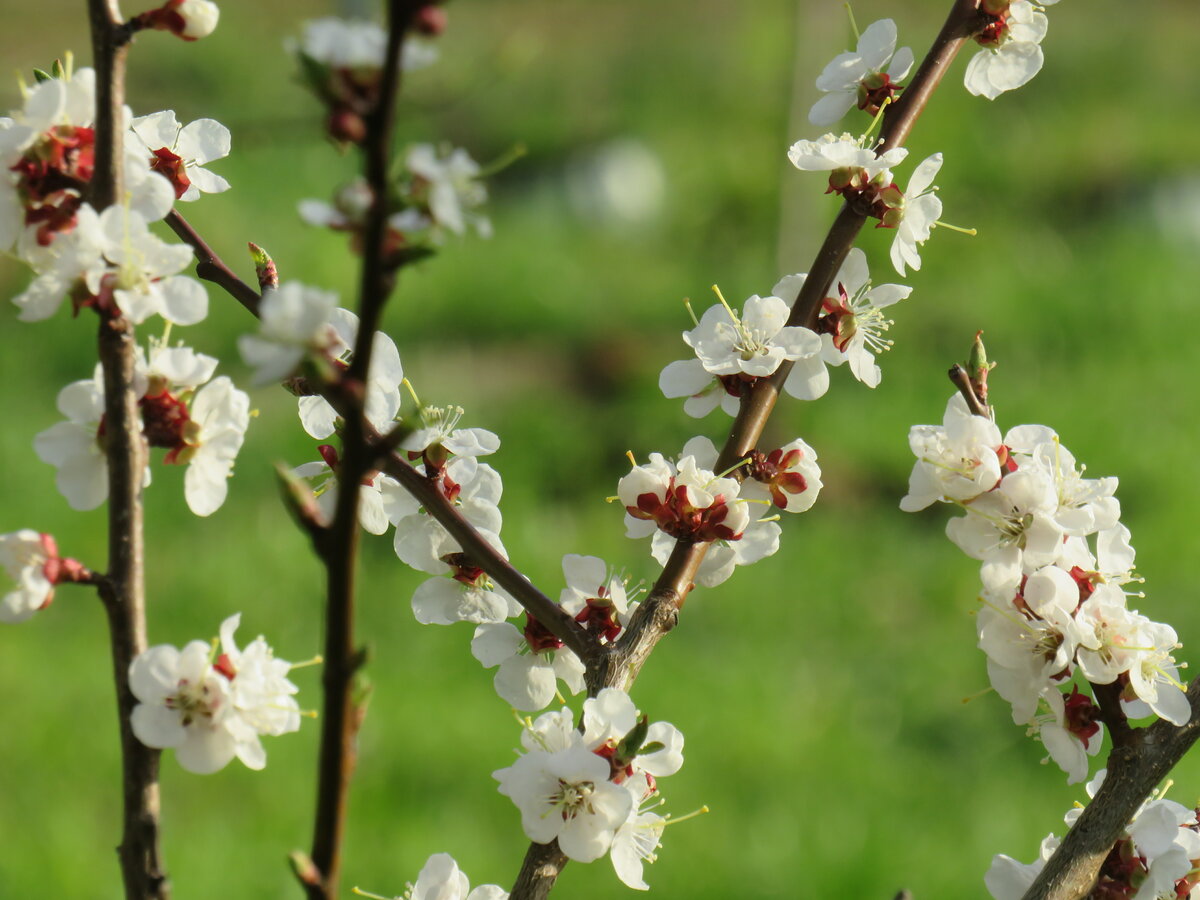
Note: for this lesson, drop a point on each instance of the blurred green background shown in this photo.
(821, 691)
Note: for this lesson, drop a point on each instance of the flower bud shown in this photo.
(430, 20)
(187, 19)
(199, 18)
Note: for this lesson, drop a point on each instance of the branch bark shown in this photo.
(123, 588)
(1135, 768)
(339, 546)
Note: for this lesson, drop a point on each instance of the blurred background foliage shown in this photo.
(821, 691)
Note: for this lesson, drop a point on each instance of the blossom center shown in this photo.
(194, 701)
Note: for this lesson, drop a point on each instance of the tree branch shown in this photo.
(123, 588)
(1134, 770)
(211, 267)
(339, 548)
(659, 612)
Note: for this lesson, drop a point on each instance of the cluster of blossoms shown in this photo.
(1054, 560)
(342, 60)
(595, 789)
(112, 262)
(860, 167)
(302, 330)
(200, 421)
(441, 879)
(1156, 858)
(732, 351)
(439, 191)
(687, 500)
(211, 707)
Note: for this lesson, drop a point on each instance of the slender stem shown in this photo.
(210, 267)
(123, 588)
(962, 380)
(340, 719)
(339, 546)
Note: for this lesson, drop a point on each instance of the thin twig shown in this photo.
(211, 267)
(123, 589)
(342, 716)
(960, 378)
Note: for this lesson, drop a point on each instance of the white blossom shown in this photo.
(180, 152)
(921, 210)
(210, 710)
(831, 152)
(450, 185)
(319, 418)
(294, 322)
(24, 555)
(1014, 57)
(526, 678)
(852, 75)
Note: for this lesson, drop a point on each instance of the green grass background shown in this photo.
(820, 690)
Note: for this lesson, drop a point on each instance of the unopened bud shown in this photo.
(346, 126)
(430, 20)
(187, 19)
(200, 18)
(299, 500)
(304, 868)
(978, 367)
(995, 7)
(264, 267)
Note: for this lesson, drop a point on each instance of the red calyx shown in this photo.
(599, 616)
(172, 168)
(465, 571)
(430, 20)
(772, 470)
(225, 666)
(1082, 716)
(876, 90)
(837, 319)
(53, 174)
(539, 637)
(993, 33)
(1007, 463)
(164, 421)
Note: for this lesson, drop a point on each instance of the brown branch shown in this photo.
(1134, 770)
(210, 267)
(123, 588)
(961, 380)
(339, 547)
(659, 612)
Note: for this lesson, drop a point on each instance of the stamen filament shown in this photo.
(667, 820)
(853, 24)
(971, 232)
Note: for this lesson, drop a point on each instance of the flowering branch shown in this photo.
(339, 548)
(123, 588)
(1137, 763)
(659, 613)
(497, 567)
